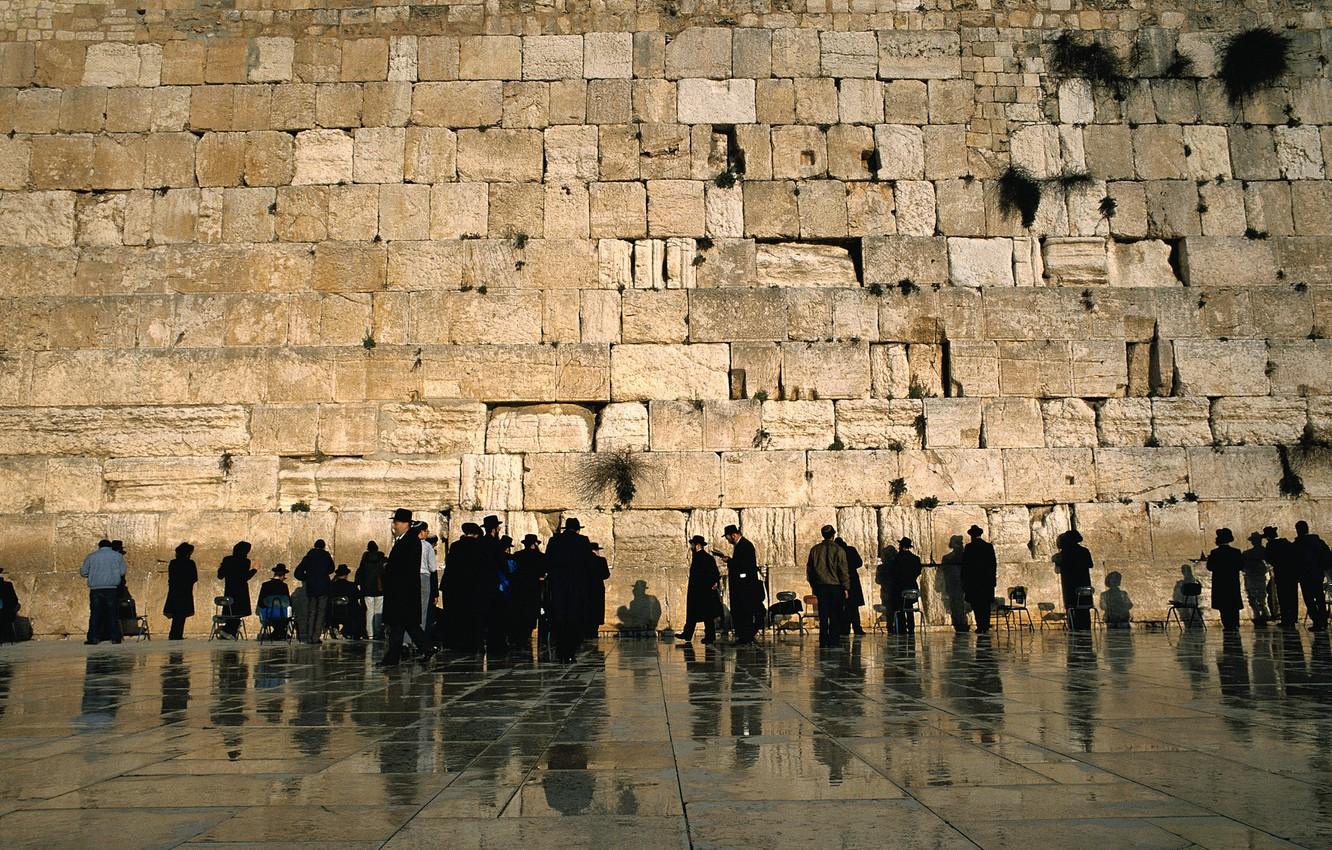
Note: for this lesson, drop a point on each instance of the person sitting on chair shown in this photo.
(275, 602)
(345, 614)
(905, 576)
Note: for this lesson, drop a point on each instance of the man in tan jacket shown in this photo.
(830, 579)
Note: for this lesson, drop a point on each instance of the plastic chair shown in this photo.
(1084, 599)
(1051, 616)
(339, 614)
(274, 611)
(811, 611)
(224, 618)
(909, 607)
(1015, 608)
(1192, 592)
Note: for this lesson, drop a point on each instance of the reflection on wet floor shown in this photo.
(1119, 739)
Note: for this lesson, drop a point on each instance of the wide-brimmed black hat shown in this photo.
(1270, 532)
(280, 570)
(491, 521)
(530, 538)
(904, 543)
(118, 546)
(506, 540)
(596, 547)
(471, 528)
(184, 550)
(1073, 535)
(697, 540)
(1255, 537)
(1224, 535)
(975, 531)
(572, 524)
(402, 515)
(342, 570)
(730, 529)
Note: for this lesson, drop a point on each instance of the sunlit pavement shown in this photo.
(1142, 739)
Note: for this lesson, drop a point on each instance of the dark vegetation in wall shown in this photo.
(1253, 59)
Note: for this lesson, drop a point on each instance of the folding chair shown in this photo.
(223, 618)
(1191, 591)
(784, 614)
(908, 609)
(811, 611)
(880, 621)
(1015, 608)
(1050, 616)
(1084, 599)
(275, 612)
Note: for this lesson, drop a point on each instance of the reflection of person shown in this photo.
(701, 600)
(980, 574)
(1255, 579)
(744, 586)
(235, 572)
(1115, 602)
(344, 605)
(1225, 563)
(182, 575)
(104, 568)
(829, 579)
(9, 608)
(1075, 565)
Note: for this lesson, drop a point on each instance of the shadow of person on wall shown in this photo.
(1115, 602)
(642, 613)
(948, 583)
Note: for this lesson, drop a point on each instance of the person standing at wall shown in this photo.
(528, 577)
(744, 585)
(1225, 563)
(370, 583)
(235, 572)
(402, 593)
(980, 574)
(855, 597)
(702, 604)
(1314, 563)
(315, 573)
(104, 568)
(1285, 563)
(429, 566)
(1075, 566)
(182, 575)
(1255, 579)
(568, 562)
(829, 579)
(597, 576)
(9, 608)
(906, 568)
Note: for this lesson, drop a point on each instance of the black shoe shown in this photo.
(118, 640)
(90, 643)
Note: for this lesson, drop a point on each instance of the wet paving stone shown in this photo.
(1143, 739)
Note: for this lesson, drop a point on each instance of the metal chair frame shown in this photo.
(1087, 593)
(1051, 616)
(1192, 593)
(811, 612)
(910, 598)
(1015, 608)
(223, 617)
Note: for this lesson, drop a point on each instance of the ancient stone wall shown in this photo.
(273, 269)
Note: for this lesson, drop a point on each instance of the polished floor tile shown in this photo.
(948, 741)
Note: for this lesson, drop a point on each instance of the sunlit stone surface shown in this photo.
(1117, 740)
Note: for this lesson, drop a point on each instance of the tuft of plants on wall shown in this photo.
(617, 472)
(1253, 59)
(1075, 57)
(1019, 194)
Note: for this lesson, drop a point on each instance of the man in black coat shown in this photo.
(1075, 564)
(701, 600)
(745, 586)
(466, 563)
(528, 579)
(1314, 562)
(569, 560)
(1286, 568)
(905, 575)
(344, 605)
(1225, 563)
(315, 572)
(402, 592)
(980, 574)
(492, 603)
(9, 608)
(855, 593)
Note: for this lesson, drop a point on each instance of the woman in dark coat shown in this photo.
(235, 572)
(1075, 564)
(1226, 563)
(702, 604)
(182, 575)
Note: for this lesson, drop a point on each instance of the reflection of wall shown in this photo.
(404, 264)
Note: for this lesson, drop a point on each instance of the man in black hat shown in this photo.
(744, 585)
(528, 577)
(568, 564)
(1255, 579)
(1285, 561)
(1315, 560)
(701, 599)
(464, 564)
(1075, 565)
(980, 574)
(345, 613)
(402, 592)
(9, 608)
(499, 605)
(275, 602)
(598, 574)
(905, 576)
(1225, 563)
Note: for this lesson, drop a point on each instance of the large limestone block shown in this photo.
(650, 371)
(879, 423)
(704, 52)
(794, 264)
(888, 260)
(1012, 423)
(973, 368)
(1260, 420)
(353, 483)
(655, 316)
(919, 55)
(1069, 423)
(797, 424)
(1124, 422)
(501, 156)
(676, 425)
(1117, 534)
(1237, 472)
(1075, 261)
(1205, 367)
(1228, 261)
(680, 480)
(518, 373)
(980, 262)
(1140, 264)
(853, 477)
(1041, 476)
(973, 476)
(731, 425)
(1181, 422)
(1141, 473)
(744, 315)
(649, 539)
(1299, 367)
(848, 54)
(953, 423)
(764, 479)
(323, 156)
(1175, 531)
(1099, 367)
(492, 481)
(716, 102)
(772, 531)
(825, 370)
(623, 425)
(540, 428)
(761, 363)
(904, 521)
(37, 219)
(552, 57)
(348, 429)
(158, 484)
(124, 431)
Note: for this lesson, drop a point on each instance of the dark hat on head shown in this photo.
(530, 538)
(905, 543)
(417, 527)
(372, 546)
(1073, 535)
(491, 521)
(1270, 532)
(596, 547)
(103, 543)
(471, 528)
(506, 540)
(320, 544)
(402, 515)
(975, 531)
(1224, 535)
(572, 524)
(118, 545)
(185, 549)
(1255, 537)
(342, 570)
(280, 570)
(697, 540)
(731, 529)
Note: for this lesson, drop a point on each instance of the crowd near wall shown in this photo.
(271, 269)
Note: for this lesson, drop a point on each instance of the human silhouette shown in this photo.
(979, 577)
(948, 581)
(904, 576)
(1284, 560)
(1074, 563)
(702, 603)
(1115, 602)
(1179, 597)
(1255, 579)
(855, 594)
(643, 611)
(1315, 560)
(1226, 563)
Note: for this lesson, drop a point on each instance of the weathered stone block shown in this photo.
(825, 370)
(1010, 423)
(724, 315)
(716, 102)
(458, 104)
(1238, 472)
(648, 371)
(1219, 368)
(852, 477)
(622, 425)
(520, 373)
(506, 156)
(1298, 367)
(801, 265)
(552, 57)
(890, 259)
(952, 423)
(540, 428)
(1069, 423)
(919, 55)
(137, 431)
(1036, 476)
(797, 425)
(703, 52)
(980, 262)
(323, 156)
(968, 476)
(1262, 420)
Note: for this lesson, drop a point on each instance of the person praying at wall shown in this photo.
(1226, 563)
(182, 575)
(980, 574)
(855, 595)
(235, 572)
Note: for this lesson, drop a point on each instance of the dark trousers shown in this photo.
(103, 619)
(746, 620)
(851, 619)
(177, 627)
(1230, 618)
(831, 597)
(393, 652)
(1288, 596)
(709, 630)
(568, 637)
(7, 626)
(1311, 586)
(981, 610)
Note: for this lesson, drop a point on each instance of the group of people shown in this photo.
(1299, 567)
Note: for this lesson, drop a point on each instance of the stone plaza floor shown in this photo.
(1145, 740)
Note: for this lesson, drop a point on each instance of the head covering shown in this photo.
(596, 547)
(184, 550)
(904, 543)
(103, 543)
(827, 531)
(1255, 537)
(529, 539)
(471, 528)
(241, 549)
(372, 546)
(342, 570)
(1270, 532)
(975, 531)
(118, 545)
(320, 544)
(402, 515)
(417, 527)
(730, 529)
(1224, 535)
(491, 521)
(697, 540)
(1301, 527)
(506, 540)
(280, 570)
(1073, 536)
(572, 524)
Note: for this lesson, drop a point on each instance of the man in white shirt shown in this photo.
(429, 563)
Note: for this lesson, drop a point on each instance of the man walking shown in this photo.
(701, 600)
(830, 581)
(402, 592)
(980, 574)
(104, 568)
(315, 573)
(746, 589)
